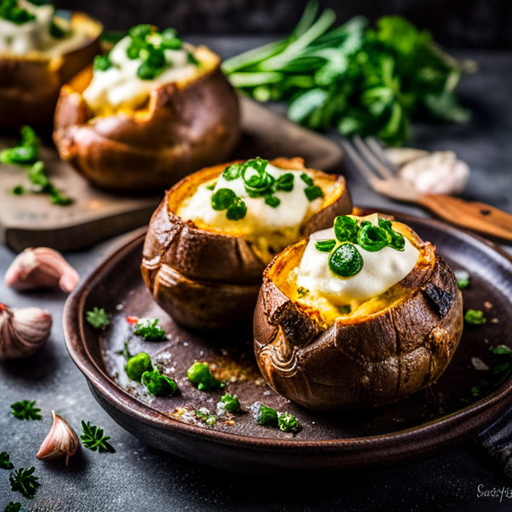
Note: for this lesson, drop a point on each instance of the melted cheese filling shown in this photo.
(120, 87)
(271, 229)
(381, 270)
(35, 37)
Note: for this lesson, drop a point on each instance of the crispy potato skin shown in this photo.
(207, 279)
(385, 358)
(29, 86)
(184, 127)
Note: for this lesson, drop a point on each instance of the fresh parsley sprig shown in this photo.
(13, 507)
(24, 481)
(98, 318)
(94, 438)
(5, 463)
(26, 410)
(149, 330)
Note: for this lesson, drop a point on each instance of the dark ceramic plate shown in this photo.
(460, 404)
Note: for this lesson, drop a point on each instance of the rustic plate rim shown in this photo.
(420, 439)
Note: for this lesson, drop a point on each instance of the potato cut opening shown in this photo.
(266, 244)
(284, 269)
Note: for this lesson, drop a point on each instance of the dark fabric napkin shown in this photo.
(497, 441)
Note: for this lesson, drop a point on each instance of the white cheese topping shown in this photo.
(381, 270)
(35, 36)
(119, 86)
(260, 218)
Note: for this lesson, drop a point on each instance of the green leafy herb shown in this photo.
(232, 172)
(288, 423)
(371, 81)
(13, 507)
(5, 463)
(212, 186)
(345, 310)
(325, 245)
(57, 31)
(302, 292)
(237, 209)
(272, 201)
(475, 317)
(285, 182)
(231, 402)
(267, 416)
(11, 11)
(204, 414)
(500, 368)
(102, 63)
(346, 229)
(223, 198)
(98, 318)
(395, 240)
(26, 410)
(93, 438)
(313, 192)
(462, 279)
(501, 350)
(346, 260)
(24, 481)
(159, 384)
(125, 352)
(137, 365)
(307, 179)
(200, 375)
(149, 330)
(18, 190)
(371, 238)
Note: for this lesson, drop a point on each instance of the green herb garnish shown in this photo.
(345, 229)
(200, 375)
(18, 190)
(313, 192)
(345, 310)
(125, 352)
(13, 507)
(223, 198)
(475, 317)
(272, 201)
(203, 414)
(102, 63)
(231, 402)
(462, 279)
(288, 423)
(93, 438)
(285, 182)
(232, 172)
(24, 481)
(5, 463)
(26, 410)
(370, 81)
(11, 11)
(137, 365)
(98, 318)
(501, 350)
(371, 238)
(395, 239)
(267, 416)
(325, 245)
(346, 260)
(149, 330)
(211, 186)
(159, 384)
(302, 292)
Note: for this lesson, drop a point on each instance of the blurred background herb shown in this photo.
(359, 79)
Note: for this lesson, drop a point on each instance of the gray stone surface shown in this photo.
(138, 478)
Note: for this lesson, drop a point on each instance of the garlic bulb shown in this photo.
(23, 331)
(61, 441)
(41, 268)
(439, 172)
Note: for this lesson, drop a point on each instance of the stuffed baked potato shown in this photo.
(149, 113)
(38, 53)
(362, 314)
(213, 234)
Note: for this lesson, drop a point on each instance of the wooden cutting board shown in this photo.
(31, 220)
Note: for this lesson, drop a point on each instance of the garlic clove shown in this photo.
(23, 331)
(61, 441)
(41, 267)
(401, 156)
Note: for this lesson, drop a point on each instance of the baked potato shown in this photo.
(133, 129)
(34, 64)
(207, 273)
(334, 343)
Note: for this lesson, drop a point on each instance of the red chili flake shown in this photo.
(132, 320)
(3, 307)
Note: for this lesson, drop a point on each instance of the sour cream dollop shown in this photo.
(381, 270)
(119, 86)
(260, 218)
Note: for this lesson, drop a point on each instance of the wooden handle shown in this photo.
(479, 217)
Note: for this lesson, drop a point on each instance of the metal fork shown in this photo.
(369, 158)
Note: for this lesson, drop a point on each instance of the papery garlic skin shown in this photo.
(23, 331)
(61, 441)
(437, 173)
(41, 267)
